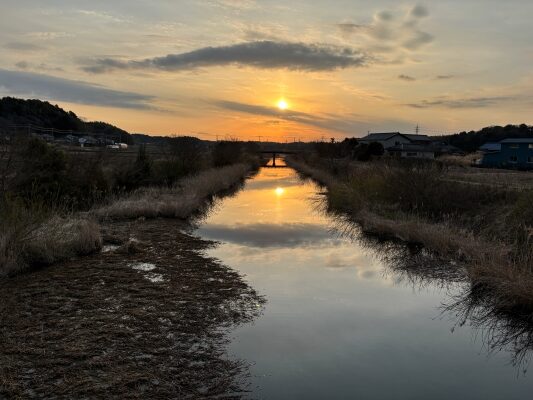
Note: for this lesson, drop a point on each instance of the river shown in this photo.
(338, 322)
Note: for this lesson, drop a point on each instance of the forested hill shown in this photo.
(471, 141)
(43, 114)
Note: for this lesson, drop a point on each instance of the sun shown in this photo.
(282, 104)
(279, 191)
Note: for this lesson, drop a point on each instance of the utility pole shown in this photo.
(417, 129)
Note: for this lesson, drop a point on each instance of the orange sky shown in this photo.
(219, 67)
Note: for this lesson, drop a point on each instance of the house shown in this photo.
(403, 145)
(387, 140)
(87, 141)
(412, 150)
(513, 153)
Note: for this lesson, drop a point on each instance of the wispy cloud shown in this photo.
(23, 46)
(472, 102)
(260, 54)
(268, 235)
(390, 31)
(29, 84)
(38, 67)
(406, 78)
(346, 124)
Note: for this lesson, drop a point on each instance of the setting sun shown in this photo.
(282, 104)
(279, 191)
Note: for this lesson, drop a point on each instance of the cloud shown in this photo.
(473, 102)
(53, 88)
(391, 32)
(40, 67)
(444, 77)
(419, 11)
(264, 235)
(345, 124)
(260, 54)
(339, 124)
(23, 46)
(101, 15)
(49, 35)
(406, 78)
(349, 28)
(237, 4)
(22, 65)
(417, 40)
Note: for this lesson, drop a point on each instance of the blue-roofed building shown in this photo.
(512, 153)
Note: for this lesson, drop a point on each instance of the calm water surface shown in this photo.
(338, 324)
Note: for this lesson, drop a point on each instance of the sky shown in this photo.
(219, 68)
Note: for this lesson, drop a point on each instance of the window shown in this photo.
(531, 146)
(530, 160)
(514, 146)
(513, 159)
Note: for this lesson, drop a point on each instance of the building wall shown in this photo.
(512, 155)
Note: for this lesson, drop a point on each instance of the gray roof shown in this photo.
(491, 147)
(379, 136)
(376, 137)
(522, 140)
(420, 138)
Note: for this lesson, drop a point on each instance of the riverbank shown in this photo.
(145, 318)
(498, 258)
(43, 237)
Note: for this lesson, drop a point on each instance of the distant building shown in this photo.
(412, 150)
(512, 153)
(387, 140)
(491, 147)
(87, 141)
(403, 145)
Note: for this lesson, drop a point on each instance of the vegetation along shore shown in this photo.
(54, 203)
(486, 228)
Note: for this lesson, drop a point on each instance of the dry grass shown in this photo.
(512, 180)
(31, 242)
(499, 264)
(460, 161)
(180, 201)
(101, 328)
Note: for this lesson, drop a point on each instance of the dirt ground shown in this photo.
(146, 318)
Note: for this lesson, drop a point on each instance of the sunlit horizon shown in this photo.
(298, 72)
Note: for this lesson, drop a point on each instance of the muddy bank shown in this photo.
(146, 320)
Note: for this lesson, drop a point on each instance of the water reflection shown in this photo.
(466, 304)
(342, 318)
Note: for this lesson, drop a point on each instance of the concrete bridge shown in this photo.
(274, 154)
